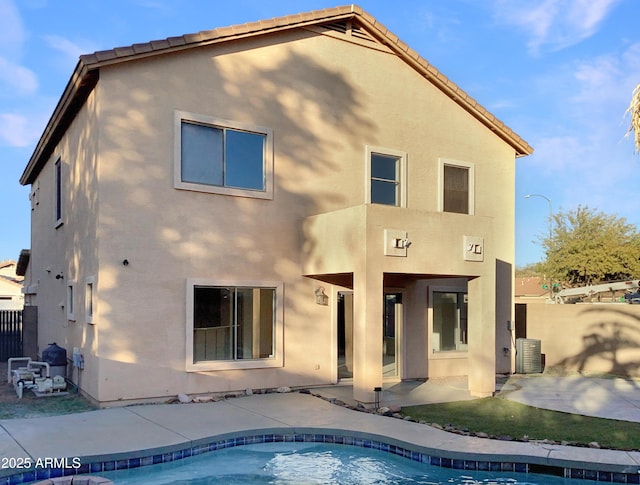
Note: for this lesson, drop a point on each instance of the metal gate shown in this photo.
(10, 334)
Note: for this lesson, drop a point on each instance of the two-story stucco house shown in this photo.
(290, 202)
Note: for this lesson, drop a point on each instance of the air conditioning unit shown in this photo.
(528, 356)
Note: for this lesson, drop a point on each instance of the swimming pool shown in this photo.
(314, 463)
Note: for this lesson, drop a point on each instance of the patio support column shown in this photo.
(367, 334)
(482, 335)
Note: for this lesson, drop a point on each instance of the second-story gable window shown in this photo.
(385, 179)
(457, 187)
(224, 157)
(386, 176)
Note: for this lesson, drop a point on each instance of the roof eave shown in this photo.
(81, 83)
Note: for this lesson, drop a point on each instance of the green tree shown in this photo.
(589, 247)
(532, 269)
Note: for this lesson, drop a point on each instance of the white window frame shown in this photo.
(58, 193)
(402, 177)
(90, 299)
(442, 162)
(181, 116)
(278, 338)
(70, 301)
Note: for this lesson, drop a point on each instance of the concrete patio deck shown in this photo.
(139, 431)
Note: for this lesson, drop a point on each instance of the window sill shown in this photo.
(449, 354)
(213, 189)
(233, 365)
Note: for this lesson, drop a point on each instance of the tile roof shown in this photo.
(7, 263)
(85, 75)
(530, 286)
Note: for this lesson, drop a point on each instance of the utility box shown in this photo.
(528, 356)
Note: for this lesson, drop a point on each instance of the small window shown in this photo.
(457, 187)
(224, 157)
(450, 321)
(89, 300)
(386, 176)
(58, 192)
(71, 286)
(233, 326)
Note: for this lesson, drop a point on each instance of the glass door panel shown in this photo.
(391, 334)
(345, 335)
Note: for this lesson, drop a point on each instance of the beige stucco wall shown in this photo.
(588, 337)
(325, 100)
(68, 249)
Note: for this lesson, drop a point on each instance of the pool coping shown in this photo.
(339, 425)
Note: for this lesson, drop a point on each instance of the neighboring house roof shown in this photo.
(9, 275)
(7, 264)
(530, 286)
(86, 73)
(10, 281)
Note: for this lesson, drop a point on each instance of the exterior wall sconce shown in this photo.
(400, 243)
(59, 276)
(125, 262)
(321, 297)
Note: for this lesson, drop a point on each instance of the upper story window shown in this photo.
(457, 187)
(386, 176)
(57, 177)
(223, 157)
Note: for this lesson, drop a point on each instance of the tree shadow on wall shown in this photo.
(615, 339)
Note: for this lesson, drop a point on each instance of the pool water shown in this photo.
(313, 463)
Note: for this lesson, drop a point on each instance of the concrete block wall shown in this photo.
(589, 337)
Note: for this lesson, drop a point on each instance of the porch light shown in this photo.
(377, 391)
(321, 297)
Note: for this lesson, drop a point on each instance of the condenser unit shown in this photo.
(528, 356)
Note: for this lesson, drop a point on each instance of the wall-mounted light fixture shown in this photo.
(125, 262)
(401, 243)
(321, 297)
(59, 276)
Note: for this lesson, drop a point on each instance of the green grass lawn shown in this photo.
(499, 418)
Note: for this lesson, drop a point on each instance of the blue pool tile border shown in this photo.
(123, 463)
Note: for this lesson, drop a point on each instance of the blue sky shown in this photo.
(558, 72)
